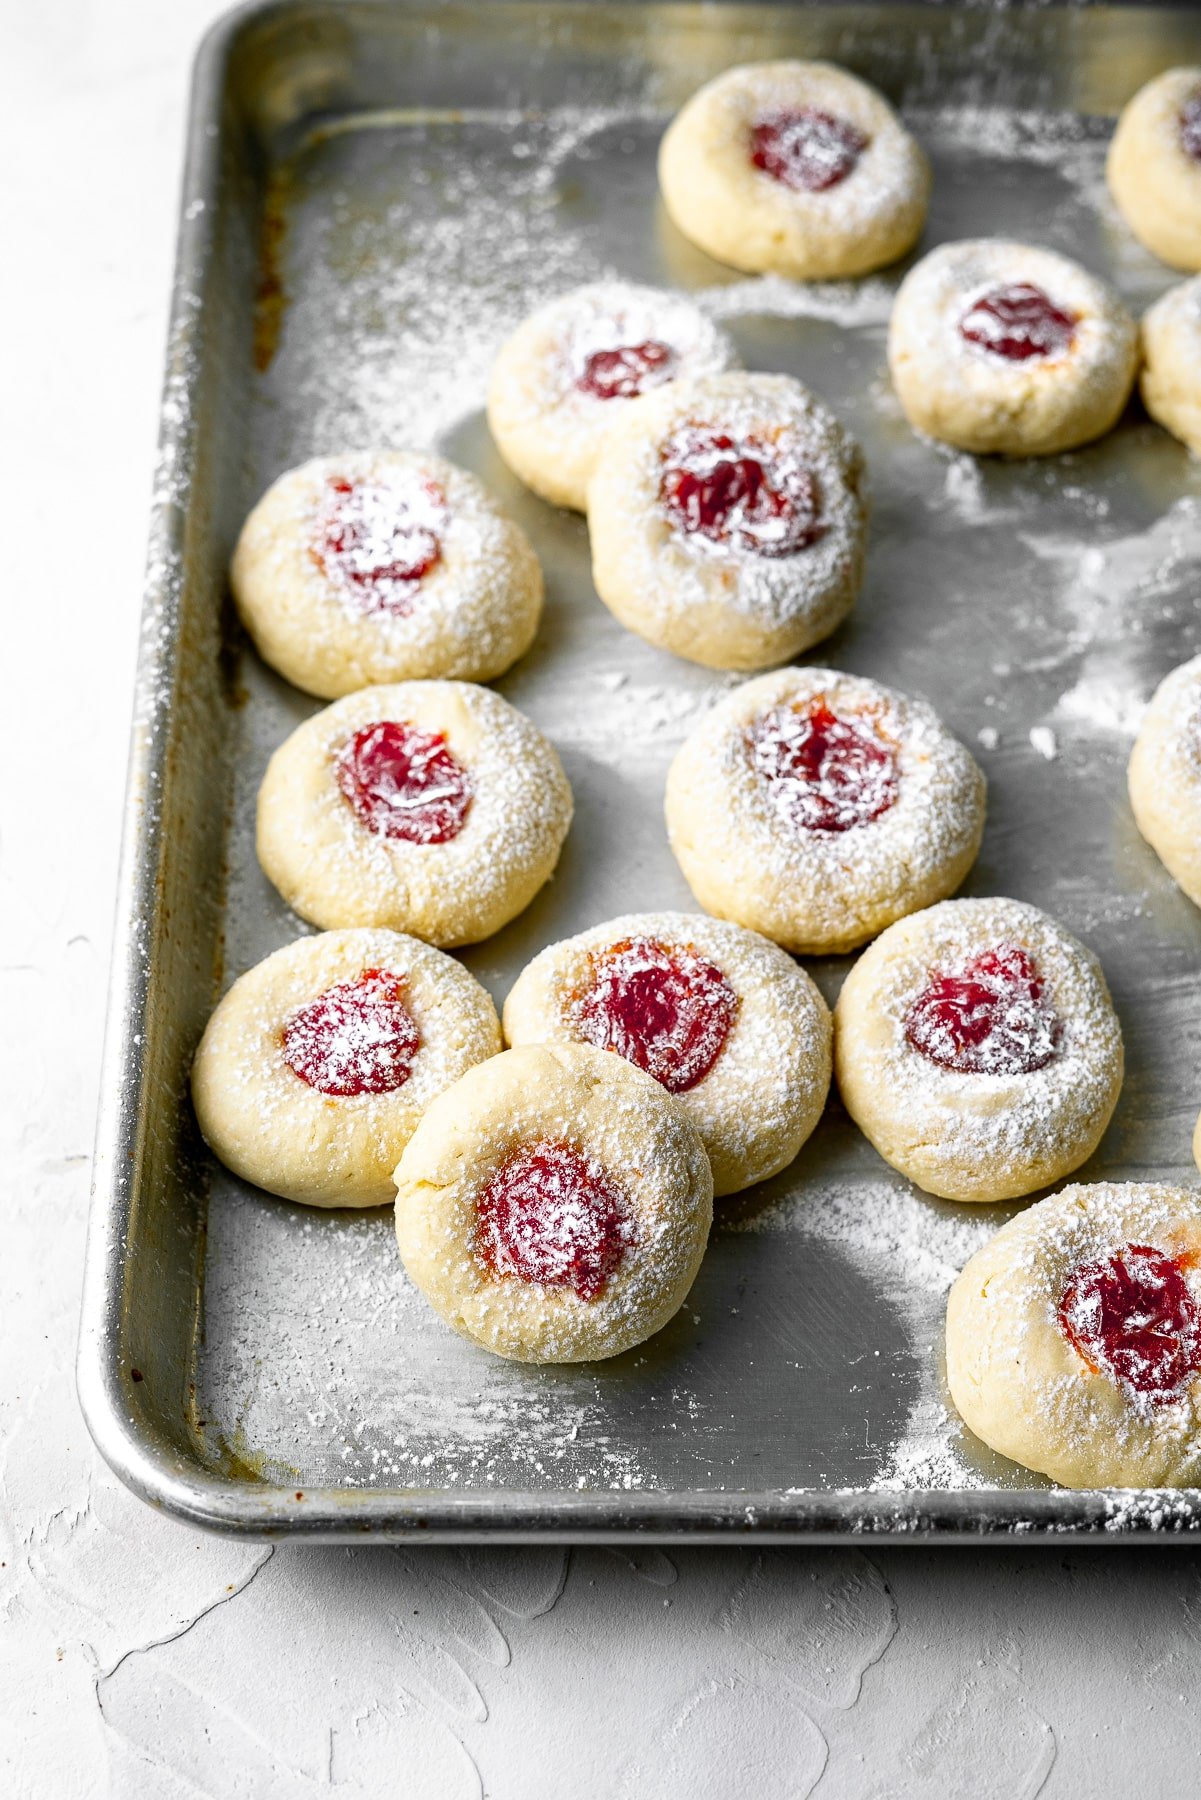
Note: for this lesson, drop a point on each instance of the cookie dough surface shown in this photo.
(797, 168)
(964, 392)
(336, 871)
(636, 1143)
(1170, 381)
(1027, 1367)
(309, 1143)
(1154, 167)
(727, 519)
(1164, 777)
(764, 1091)
(737, 833)
(997, 1130)
(569, 372)
(378, 566)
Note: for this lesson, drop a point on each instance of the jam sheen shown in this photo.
(358, 1037)
(664, 1007)
(1132, 1316)
(401, 782)
(1017, 322)
(1190, 126)
(376, 539)
(553, 1216)
(991, 1017)
(807, 149)
(742, 493)
(824, 773)
(626, 370)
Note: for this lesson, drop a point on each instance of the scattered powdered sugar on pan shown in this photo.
(381, 1391)
(483, 240)
(855, 305)
(912, 1248)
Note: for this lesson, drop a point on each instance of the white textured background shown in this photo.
(139, 1659)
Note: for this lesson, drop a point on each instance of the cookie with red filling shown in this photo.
(1164, 776)
(1074, 1337)
(317, 1064)
(794, 168)
(727, 519)
(569, 371)
(977, 1047)
(1003, 348)
(1154, 167)
(384, 565)
(817, 808)
(721, 1018)
(432, 806)
(555, 1206)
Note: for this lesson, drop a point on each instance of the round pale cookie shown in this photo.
(1000, 347)
(1170, 381)
(316, 1066)
(554, 1205)
(568, 372)
(977, 1047)
(1154, 167)
(797, 168)
(1074, 1337)
(433, 807)
(1164, 776)
(380, 565)
(727, 519)
(722, 1018)
(818, 807)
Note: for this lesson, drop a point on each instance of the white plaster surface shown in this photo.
(140, 1659)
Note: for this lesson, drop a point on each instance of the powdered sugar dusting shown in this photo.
(376, 539)
(912, 1248)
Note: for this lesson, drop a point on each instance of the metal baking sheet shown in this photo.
(374, 195)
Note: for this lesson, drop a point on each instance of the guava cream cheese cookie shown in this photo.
(316, 1066)
(432, 806)
(1000, 347)
(378, 566)
(1170, 381)
(1154, 167)
(976, 1046)
(1164, 777)
(722, 1018)
(1074, 1337)
(566, 374)
(727, 519)
(796, 168)
(555, 1205)
(817, 807)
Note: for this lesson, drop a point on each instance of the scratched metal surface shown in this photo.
(374, 195)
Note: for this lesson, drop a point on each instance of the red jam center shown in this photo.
(807, 149)
(663, 1007)
(625, 371)
(357, 1038)
(376, 539)
(1190, 127)
(824, 773)
(1017, 322)
(991, 1018)
(404, 783)
(553, 1216)
(740, 492)
(1132, 1316)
